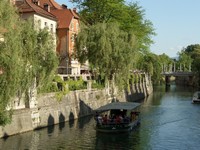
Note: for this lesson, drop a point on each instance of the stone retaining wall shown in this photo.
(76, 104)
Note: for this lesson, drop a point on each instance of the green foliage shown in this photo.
(50, 87)
(192, 53)
(61, 86)
(109, 50)
(95, 11)
(10, 57)
(132, 19)
(97, 85)
(25, 55)
(134, 78)
(39, 54)
(76, 84)
(152, 64)
(114, 36)
(5, 116)
(129, 16)
(185, 60)
(191, 48)
(165, 59)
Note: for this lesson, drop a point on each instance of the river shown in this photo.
(169, 121)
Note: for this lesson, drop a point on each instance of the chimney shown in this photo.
(74, 9)
(47, 7)
(64, 6)
(36, 2)
(16, 2)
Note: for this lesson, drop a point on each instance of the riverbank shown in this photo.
(76, 104)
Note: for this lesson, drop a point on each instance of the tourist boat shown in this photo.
(196, 97)
(117, 117)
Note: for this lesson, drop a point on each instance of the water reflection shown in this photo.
(118, 141)
(168, 121)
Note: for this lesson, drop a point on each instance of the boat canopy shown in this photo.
(119, 105)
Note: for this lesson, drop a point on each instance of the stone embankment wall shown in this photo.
(48, 110)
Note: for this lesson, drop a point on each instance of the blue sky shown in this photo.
(176, 23)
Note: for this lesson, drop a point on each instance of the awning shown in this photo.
(119, 105)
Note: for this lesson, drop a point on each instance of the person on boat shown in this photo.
(126, 119)
(117, 120)
(121, 118)
(105, 119)
(99, 120)
(96, 116)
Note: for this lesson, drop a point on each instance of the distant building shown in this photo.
(42, 17)
(63, 22)
(67, 29)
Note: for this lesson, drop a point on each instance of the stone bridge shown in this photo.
(181, 76)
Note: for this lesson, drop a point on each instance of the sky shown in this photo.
(176, 23)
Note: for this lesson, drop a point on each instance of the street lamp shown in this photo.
(67, 61)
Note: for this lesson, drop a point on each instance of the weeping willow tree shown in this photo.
(109, 50)
(25, 55)
(10, 57)
(39, 55)
(116, 34)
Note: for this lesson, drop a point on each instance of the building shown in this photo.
(45, 13)
(42, 18)
(67, 29)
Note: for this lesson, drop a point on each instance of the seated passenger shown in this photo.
(105, 119)
(99, 120)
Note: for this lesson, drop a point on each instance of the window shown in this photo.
(72, 26)
(51, 28)
(45, 24)
(39, 23)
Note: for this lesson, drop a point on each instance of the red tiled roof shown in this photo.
(28, 6)
(64, 17)
(51, 3)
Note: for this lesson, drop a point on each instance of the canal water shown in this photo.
(169, 121)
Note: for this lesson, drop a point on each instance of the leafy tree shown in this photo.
(38, 54)
(191, 48)
(194, 52)
(185, 60)
(165, 61)
(151, 64)
(129, 16)
(132, 19)
(99, 11)
(115, 35)
(25, 55)
(10, 58)
(109, 50)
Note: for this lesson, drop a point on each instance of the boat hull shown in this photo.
(116, 128)
(196, 97)
(196, 101)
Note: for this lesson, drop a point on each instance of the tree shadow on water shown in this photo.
(5, 136)
(71, 120)
(51, 122)
(61, 121)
